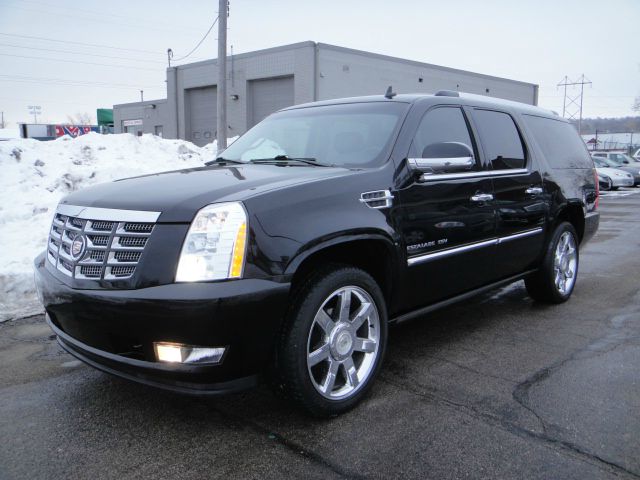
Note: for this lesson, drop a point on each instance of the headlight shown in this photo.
(215, 246)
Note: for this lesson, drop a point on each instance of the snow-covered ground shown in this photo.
(35, 175)
(9, 133)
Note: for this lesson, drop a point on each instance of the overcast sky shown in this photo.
(537, 41)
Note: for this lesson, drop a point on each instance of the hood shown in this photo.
(612, 172)
(178, 195)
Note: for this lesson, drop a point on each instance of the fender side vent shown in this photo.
(377, 199)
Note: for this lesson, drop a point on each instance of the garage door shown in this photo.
(268, 95)
(201, 110)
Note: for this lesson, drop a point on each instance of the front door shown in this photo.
(446, 219)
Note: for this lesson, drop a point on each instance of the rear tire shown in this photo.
(333, 341)
(555, 280)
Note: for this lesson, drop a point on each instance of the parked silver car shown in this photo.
(610, 174)
(629, 166)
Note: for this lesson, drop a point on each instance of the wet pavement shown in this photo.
(497, 387)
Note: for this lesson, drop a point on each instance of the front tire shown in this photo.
(606, 185)
(333, 341)
(555, 280)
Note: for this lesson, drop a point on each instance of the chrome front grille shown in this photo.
(109, 242)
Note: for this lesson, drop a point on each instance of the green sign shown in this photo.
(105, 116)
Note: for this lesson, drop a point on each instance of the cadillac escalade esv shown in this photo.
(292, 252)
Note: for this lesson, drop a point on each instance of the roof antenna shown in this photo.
(390, 93)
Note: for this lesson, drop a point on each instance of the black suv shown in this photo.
(292, 252)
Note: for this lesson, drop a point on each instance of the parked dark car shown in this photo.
(293, 251)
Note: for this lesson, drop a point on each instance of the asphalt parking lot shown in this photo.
(497, 387)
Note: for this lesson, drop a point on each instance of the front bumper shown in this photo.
(114, 330)
(622, 181)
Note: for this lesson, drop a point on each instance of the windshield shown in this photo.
(622, 157)
(349, 135)
(602, 162)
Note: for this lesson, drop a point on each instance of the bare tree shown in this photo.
(80, 119)
(636, 105)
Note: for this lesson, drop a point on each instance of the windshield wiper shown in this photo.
(221, 161)
(286, 158)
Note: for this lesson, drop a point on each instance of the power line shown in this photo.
(142, 23)
(55, 79)
(79, 61)
(199, 43)
(80, 43)
(69, 82)
(95, 12)
(78, 53)
(45, 102)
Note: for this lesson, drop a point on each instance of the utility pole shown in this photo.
(221, 94)
(572, 104)
(35, 110)
(142, 95)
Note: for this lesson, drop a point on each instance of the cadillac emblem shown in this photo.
(78, 247)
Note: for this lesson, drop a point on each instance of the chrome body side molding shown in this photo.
(428, 257)
(433, 177)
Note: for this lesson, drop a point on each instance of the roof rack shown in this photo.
(447, 93)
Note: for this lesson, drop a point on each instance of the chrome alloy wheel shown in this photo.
(565, 263)
(343, 343)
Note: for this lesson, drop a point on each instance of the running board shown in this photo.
(450, 301)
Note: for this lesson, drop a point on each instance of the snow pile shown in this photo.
(8, 133)
(35, 175)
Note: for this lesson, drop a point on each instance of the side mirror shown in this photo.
(443, 157)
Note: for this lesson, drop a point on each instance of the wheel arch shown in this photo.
(375, 253)
(572, 212)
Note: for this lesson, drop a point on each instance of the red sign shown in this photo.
(72, 130)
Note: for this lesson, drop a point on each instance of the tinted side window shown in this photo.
(443, 124)
(560, 142)
(500, 139)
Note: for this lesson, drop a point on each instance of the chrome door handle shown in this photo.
(482, 197)
(534, 190)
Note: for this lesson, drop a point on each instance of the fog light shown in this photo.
(178, 353)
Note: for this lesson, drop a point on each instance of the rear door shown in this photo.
(519, 197)
(446, 219)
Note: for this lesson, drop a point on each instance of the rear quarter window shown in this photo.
(559, 141)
